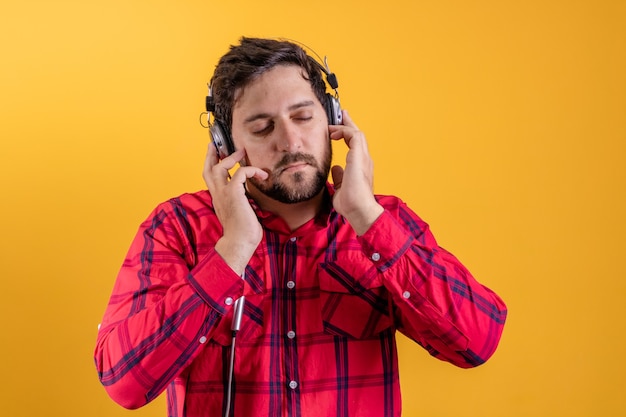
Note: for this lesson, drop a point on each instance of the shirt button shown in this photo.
(406, 294)
(293, 239)
(376, 256)
(291, 334)
(228, 301)
(293, 385)
(291, 284)
(202, 339)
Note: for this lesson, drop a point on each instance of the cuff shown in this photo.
(215, 282)
(385, 241)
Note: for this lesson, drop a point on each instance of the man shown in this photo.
(330, 272)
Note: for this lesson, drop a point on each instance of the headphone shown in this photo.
(221, 136)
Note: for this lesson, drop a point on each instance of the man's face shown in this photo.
(283, 127)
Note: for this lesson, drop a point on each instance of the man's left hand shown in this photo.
(354, 196)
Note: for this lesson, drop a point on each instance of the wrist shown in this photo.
(236, 254)
(361, 220)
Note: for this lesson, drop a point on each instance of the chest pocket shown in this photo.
(354, 302)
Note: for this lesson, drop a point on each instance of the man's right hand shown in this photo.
(242, 230)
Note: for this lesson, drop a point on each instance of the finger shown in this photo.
(232, 159)
(337, 175)
(341, 132)
(214, 169)
(210, 160)
(353, 137)
(244, 173)
(211, 155)
(347, 120)
(346, 131)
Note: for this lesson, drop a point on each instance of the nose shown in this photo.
(290, 139)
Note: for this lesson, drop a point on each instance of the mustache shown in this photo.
(295, 157)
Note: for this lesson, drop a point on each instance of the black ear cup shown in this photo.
(220, 135)
(221, 139)
(333, 110)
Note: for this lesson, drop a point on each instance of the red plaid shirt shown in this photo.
(322, 307)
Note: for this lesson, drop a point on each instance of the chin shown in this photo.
(293, 191)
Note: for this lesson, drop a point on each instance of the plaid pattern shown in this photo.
(322, 307)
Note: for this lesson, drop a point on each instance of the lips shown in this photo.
(293, 167)
(294, 162)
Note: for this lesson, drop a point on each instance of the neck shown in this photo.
(296, 214)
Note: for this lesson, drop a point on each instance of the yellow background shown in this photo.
(503, 124)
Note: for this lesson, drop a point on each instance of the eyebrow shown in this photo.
(293, 107)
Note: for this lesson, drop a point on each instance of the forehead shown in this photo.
(276, 86)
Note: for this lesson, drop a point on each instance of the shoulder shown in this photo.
(391, 203)
(402, 213)
(184, 219)
(188, 202)
(185, 208)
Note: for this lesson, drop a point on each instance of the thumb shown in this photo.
(337, 174)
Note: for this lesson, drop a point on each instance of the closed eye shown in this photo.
(264, 131)
(303, 115)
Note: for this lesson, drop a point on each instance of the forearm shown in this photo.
(156, 325)
(440, 305)
(437, 302)
(138, 356)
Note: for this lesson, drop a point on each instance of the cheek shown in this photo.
(260, 158)
(325, 146)
(318, 137)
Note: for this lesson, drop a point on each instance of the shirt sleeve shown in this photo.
(163, 308)
(435, 299)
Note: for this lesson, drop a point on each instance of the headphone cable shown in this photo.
(236, 325)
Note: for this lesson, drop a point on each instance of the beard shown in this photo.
(303, 187)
